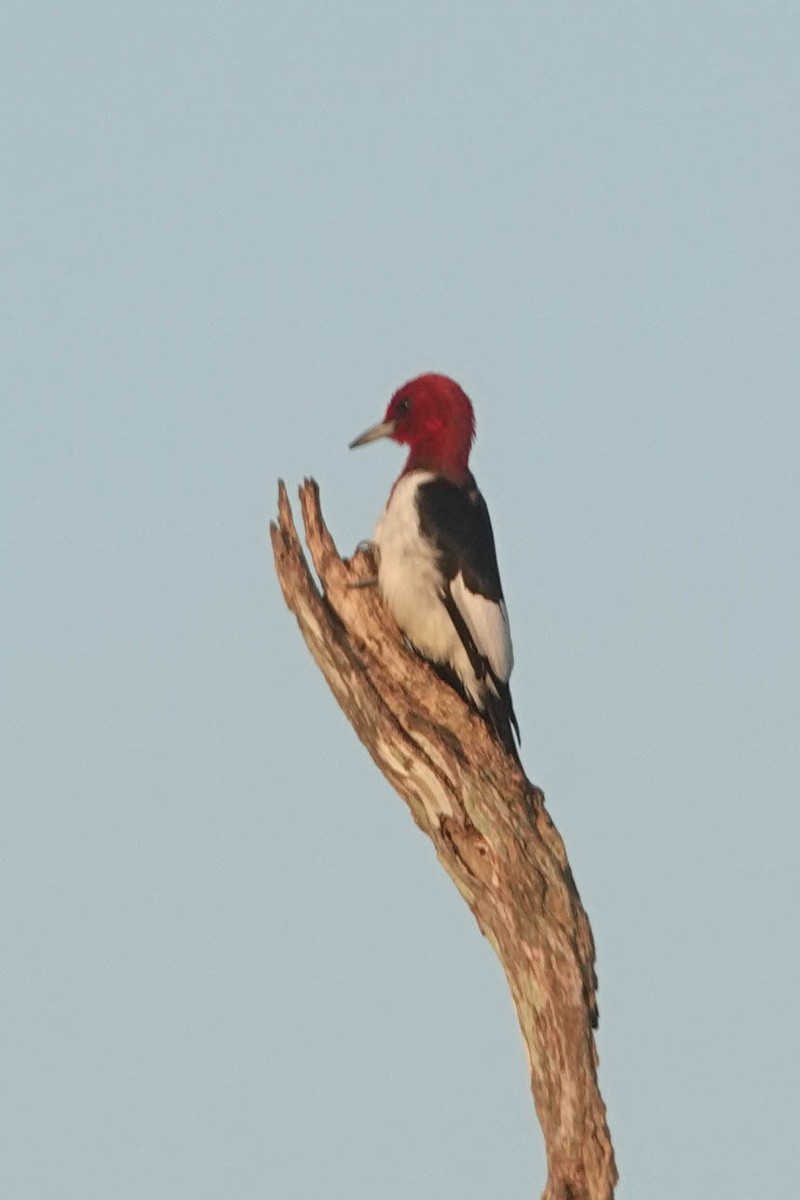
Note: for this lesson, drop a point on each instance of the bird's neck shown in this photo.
(447, 454)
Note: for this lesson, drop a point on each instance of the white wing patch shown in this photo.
(487, 621)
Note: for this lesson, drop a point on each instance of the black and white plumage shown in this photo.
(439, 576)
(438, 569)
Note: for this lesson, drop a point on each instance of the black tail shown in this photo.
(497, 709)
(501, 716)
(496, 695)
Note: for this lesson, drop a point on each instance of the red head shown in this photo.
(433, 416)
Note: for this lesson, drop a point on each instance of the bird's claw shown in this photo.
(367, 546)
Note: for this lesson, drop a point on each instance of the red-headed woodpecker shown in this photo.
(437, 568)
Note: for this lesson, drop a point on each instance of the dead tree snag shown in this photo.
(488, 823)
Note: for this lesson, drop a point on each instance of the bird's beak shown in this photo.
(381, 430)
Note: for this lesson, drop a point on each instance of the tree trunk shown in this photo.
(488, 823)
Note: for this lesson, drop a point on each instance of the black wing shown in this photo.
(457, 521)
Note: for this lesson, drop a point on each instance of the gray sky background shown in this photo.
(231, 965)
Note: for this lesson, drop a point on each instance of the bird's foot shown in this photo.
(365, 547)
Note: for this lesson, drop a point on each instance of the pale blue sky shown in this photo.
(232, 966)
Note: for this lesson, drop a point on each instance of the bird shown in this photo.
(437, 563)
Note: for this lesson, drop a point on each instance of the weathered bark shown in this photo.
(488, 823)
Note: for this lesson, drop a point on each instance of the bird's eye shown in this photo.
(403, 405)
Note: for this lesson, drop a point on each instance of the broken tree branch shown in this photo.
(488, 823)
